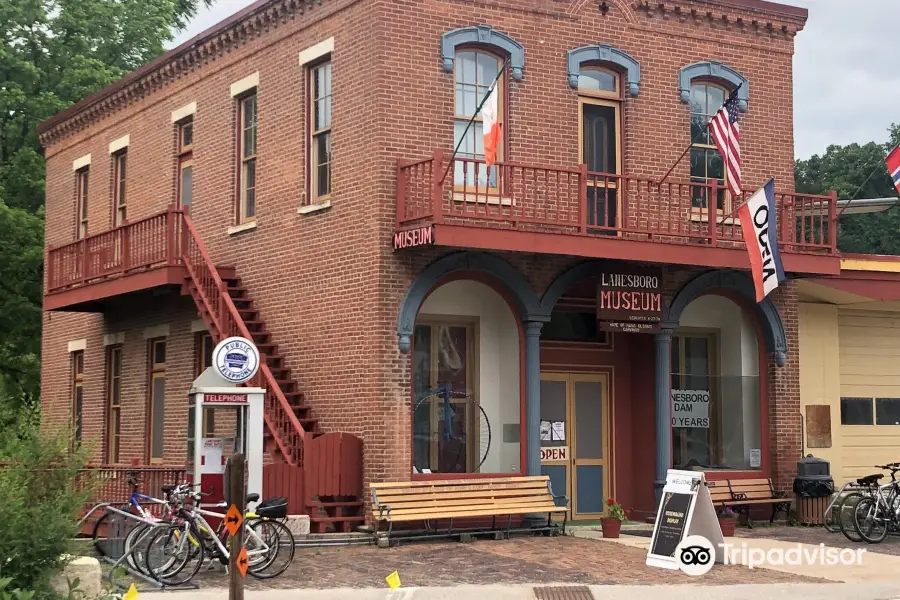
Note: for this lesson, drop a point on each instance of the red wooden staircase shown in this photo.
(330, 482)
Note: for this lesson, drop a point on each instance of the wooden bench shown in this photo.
(449, 499)
(742, 494)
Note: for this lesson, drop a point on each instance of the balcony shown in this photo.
(86, 275)
(571, 211)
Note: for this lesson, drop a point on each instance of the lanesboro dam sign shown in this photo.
(690, 408)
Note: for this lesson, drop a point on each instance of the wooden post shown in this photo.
(234, 475)
(437, 186)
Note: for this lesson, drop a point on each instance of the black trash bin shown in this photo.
(813, 489)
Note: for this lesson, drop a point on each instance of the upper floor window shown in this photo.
(185, 183)
(320, 132)
(81, 202)
(247, 143)
(599, 81)
(113, 402)
(120, 161)
(475, 70)
(707, 165)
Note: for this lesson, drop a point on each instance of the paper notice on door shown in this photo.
(545, 431)
(559, 431)
(755, 458)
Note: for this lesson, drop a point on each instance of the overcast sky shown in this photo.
(846, 72)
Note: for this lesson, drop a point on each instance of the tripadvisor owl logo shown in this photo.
(236, 359)
(695, 555)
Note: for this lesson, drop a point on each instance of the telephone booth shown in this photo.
(223, 419)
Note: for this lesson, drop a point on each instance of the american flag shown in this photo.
(727, 135)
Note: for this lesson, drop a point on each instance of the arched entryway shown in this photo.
(464, 321)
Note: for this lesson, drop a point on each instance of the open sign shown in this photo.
(555, 453)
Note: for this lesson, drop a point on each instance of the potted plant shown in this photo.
(612, 524)
(727, 521)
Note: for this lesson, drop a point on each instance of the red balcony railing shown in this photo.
(578, 202)
(145, 244)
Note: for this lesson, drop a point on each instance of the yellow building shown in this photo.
(849, 338)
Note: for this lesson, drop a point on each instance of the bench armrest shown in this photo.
(382, 508)
(564, 497)
(781, 494)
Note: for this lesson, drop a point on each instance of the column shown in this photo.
(533, 396)
(663, 409)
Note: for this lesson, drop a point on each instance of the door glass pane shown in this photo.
(588, 419)
(553, 407)
(599, 138)
(187, 182)
(451, 346)
(589, 491)
(159, 414)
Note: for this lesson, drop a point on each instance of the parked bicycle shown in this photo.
(838, 514)
(878, 514)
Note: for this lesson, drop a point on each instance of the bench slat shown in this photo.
(461, 501)
(454, 482)
(474, 513)
(464, 508)
(425, 492)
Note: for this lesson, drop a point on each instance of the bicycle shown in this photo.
(455, 419)
(876, 515)
(191, 536)
(838, 515)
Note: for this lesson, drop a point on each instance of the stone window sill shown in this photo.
(314, 208)
(235, 229)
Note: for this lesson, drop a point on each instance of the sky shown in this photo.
(846, 70)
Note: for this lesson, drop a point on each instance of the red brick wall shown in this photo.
(327, 283)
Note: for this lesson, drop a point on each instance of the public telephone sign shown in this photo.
(224, 398)
(236, 359)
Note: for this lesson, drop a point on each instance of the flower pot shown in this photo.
(611, 527)
(727, 526)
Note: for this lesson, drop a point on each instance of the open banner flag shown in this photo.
(761, 236)
(893, 165)
(490, 120)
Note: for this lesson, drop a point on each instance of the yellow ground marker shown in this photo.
(131, 594)
(393, 581)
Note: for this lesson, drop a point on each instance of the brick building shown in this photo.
(445, 313)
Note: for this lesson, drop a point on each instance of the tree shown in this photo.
(847, 169)
(52, 54)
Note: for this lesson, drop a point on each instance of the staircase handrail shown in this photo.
(231, 310)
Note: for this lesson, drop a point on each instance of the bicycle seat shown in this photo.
(252, 497)
(869, 479)
(167, 489)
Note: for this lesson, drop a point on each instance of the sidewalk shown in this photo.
(875, 568)
(828, 591)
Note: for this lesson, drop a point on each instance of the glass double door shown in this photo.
(575, 439)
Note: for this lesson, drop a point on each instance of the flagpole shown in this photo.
(694, 141)
(472, 120)
(859, 189)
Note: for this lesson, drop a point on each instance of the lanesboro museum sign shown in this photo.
(410, 238)
(629, 299)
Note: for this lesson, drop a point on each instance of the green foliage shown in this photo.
(6, 593)
(846, 169)
(39, 508)
(52, 54)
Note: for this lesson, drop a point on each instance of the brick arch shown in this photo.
(578, 5)
(513, 284)
(486, 36)
(740, 284)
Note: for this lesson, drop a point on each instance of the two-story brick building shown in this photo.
(289, 175)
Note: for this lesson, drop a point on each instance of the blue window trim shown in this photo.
(604, 53)
(484, 35)
(715, 70)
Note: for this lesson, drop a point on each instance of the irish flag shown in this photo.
(490, 120)
(760, 231)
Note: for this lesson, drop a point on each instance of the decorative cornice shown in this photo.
(607, 54)
(231, 33)
(743, 16)
(486, 35)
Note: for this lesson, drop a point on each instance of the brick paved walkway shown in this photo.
(518, 561)
(818, 535)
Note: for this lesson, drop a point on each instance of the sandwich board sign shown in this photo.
(685, 509)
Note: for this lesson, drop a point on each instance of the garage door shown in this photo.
(870, 390)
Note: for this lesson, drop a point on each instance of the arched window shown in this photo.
(706, 160)
(475, 71)
(597, 80)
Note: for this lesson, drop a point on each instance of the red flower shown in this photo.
(610, 501)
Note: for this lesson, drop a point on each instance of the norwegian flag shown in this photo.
(893, 165)
(727, 135)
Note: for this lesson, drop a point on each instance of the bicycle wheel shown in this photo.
(174, 555)
(845, 509)
(280, 543)
(136, 547)
(451, 433)
(870, 520)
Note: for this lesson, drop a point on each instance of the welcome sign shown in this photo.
(630, 299)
